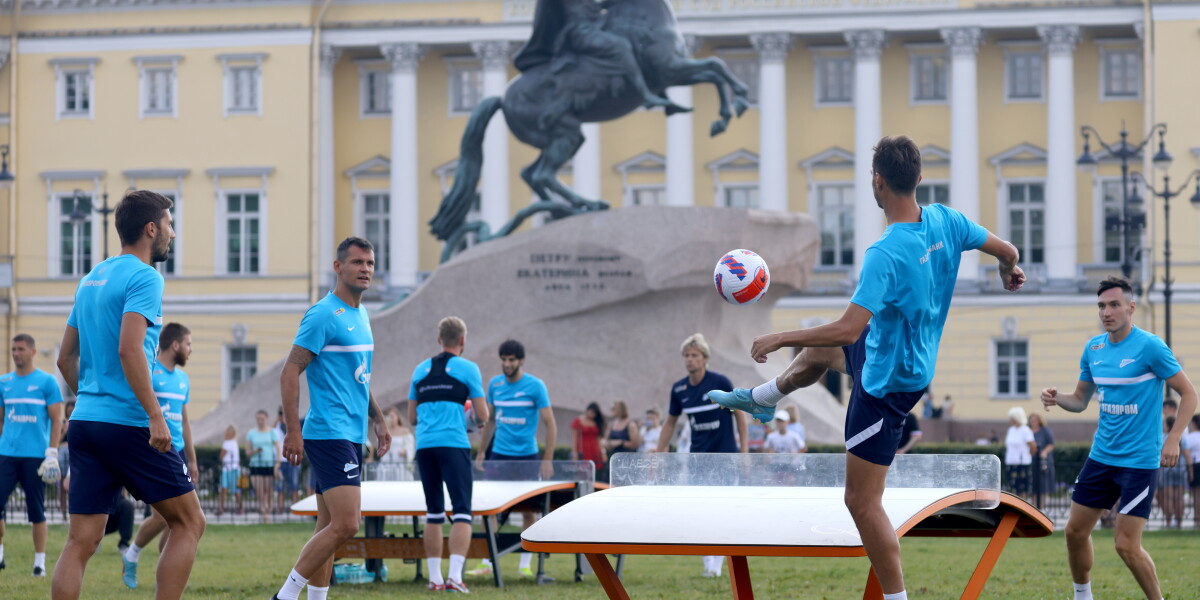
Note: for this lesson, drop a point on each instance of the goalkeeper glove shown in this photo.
(49, 470)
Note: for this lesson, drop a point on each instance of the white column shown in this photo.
(868, 128)
(585, 166)
(681, 158)
(964, 136)
(325, 246)
(405, 217)
(772, 110)
(1061, 251)
(494, 179)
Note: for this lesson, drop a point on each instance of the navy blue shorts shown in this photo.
(451, 466)
(23, 470)
(106, 457)
(334, 463)
(524, 467)
(873, 425)
(1100, 486)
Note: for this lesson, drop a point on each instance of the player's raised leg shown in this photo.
(806, 369)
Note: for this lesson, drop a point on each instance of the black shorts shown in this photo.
(451, 466)
(23, 470)
(873, 425)
(1196, 473)
(1100, 486)
(526, 467)
(106, 457)
(334, 463)
(262, 471)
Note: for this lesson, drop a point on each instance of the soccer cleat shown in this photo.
(741, 399)
(39, 572)
(482, 570)
(526, 571)
(129, 573)
(2, 565)
(456, 586)
(435, 587)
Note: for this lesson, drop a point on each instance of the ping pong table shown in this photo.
(663, 513)
(500, 488)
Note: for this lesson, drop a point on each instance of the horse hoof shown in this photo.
(740, 105)
(672, 109)
(718, 127)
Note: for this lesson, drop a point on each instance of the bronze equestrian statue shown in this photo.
(586, 62)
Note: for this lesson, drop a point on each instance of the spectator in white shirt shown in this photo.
(651, 428)
(782, 441)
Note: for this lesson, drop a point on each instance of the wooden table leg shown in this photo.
(991, 554)
(874, 590)
(739, 578)
(607, 576)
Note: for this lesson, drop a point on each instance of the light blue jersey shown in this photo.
(122, 284)
(1129, 382)
(339, 377)
(517, 406)
(906, 283)
(441, 387)
(171, 388)
(25, 401)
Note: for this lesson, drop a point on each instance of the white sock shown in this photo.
(39, 559)
(901, 595)
(316, 593)
(767, 394)
(526, 558)
(435, 569)
(1, 551)
(133, 552)
(456, 565)
(1083, 591)
(291, 588)
(486, 561)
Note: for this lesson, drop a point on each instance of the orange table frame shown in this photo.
(1013, 517)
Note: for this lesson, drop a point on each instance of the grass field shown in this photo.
(240, 562)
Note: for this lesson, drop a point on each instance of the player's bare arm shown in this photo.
(68, 359)
(289, 386)
(550, 426)
(485, 438)
(842, 332)
(383, 437)
(668, 431)
(1187, 406)
(482, 410)
(1011, 275)
(56, 423)
(1076, 401)
(131, 350)
(188, 448)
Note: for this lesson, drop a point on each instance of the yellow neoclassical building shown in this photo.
(281, 126)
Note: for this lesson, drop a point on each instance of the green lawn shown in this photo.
(239, 562)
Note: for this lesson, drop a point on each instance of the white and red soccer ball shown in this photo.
(741, 277)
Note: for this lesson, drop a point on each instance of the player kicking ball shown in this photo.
(904, 293)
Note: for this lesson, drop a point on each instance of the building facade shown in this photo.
(282, 126)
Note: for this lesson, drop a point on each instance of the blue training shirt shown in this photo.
(441, 387)
(122, 284)
(1129, 381)
(712, 425)
(907, 281)
(25, 402)
(517, 407)
(339, 377)
(171, 388)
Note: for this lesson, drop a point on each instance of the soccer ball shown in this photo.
(741, 277)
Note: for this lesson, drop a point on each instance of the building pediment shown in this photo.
(376, 166)
(1021, 154)
(646, 162)
(738, 160)
(833, 158)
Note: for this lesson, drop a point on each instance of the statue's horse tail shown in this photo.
(457, 203)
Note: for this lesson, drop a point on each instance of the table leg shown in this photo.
(874, 589)
(608, 578)
(417, 534)
(493, 551)
(991, 554)
(739, 578)
(373, 528)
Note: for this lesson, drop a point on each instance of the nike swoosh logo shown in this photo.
(352, 476)
(350, 329)
(1097, 362)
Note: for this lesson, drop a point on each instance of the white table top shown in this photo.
(408, 498)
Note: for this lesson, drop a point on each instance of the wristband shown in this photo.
(52, 452)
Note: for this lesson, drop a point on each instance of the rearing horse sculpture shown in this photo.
(586, 62)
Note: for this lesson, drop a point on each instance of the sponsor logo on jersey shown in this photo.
(13, 417)
(1099, 346)
(1126, 361)
(338, 312)
(361, 374)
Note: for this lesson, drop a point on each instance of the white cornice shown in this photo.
(165, 41)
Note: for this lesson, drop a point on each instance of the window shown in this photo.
(835, 80)
(1113, 202)
(745, 69)
(1121, 72)
(1024, 76)
(377, 226)
(376, 92)
(466, 87)
(75, 235)
(242, 232)
(1027, 220)
(930, 73)
(835, 206)
(243, 83)
(159, 85)
(933, 193)
(169, 266)
(242, 363)
(741, 196)
(1010, 373)
(649, 195)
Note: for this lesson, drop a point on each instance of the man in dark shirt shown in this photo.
(910, 434)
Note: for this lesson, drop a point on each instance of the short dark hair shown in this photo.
(25, 338)
(1115, 282)
(898, 161)
(171, 333)
(137, 208)
(344, 248)
(512, 348)
(1171, 402)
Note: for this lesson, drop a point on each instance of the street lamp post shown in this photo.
(1166, 193)
(1125, 151)
(78, 215)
